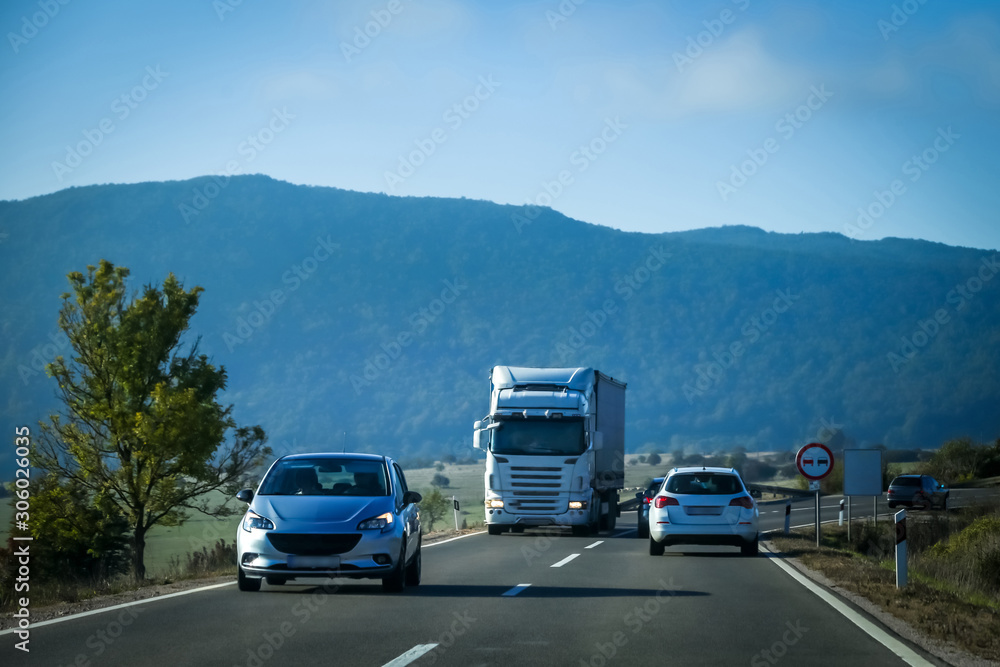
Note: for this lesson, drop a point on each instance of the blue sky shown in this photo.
(643, 116)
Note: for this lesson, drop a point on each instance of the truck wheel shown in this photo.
(494, 529)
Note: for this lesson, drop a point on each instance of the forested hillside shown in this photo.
(370, 322)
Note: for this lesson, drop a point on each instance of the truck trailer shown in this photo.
(555, 449)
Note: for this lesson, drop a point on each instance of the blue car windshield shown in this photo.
(325, 477)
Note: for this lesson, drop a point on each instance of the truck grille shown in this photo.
(536, 489)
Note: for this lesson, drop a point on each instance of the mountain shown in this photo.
(370, 322)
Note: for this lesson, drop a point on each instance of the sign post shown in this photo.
(454, 502)
(815, 461)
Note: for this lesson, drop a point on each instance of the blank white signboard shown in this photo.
(863, 472)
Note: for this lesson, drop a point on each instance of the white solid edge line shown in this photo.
(410, 655)
(904, 652)
(564, 560)
(451, 539)
(514, 591)
(120, 606)
(594, 544)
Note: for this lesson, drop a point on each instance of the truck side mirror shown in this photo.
(477, 435)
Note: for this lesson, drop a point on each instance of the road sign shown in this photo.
(814, 461)
(814, 485)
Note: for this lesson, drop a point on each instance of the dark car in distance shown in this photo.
(917, 491)
(642, 511)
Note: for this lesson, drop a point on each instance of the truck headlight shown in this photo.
(494, 502)
(578, 504)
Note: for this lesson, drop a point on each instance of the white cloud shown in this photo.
(736, 75)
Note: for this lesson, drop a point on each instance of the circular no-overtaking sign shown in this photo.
(814, 461)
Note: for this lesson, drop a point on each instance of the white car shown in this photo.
(701, 505)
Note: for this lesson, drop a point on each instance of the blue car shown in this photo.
(330, 515)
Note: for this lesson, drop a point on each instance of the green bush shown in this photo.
(433, 508)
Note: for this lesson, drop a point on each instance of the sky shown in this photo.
(866, 118)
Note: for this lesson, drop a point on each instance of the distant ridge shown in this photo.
(379, 317)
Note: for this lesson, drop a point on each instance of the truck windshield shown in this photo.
(560, 437)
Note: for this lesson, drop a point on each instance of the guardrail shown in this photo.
(780, 490)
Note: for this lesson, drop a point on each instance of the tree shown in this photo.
(653, 459)
(440, 480)
(141, 429)
(75, 535)
(433, 507)
(961, 460)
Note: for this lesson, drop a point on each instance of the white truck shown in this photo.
(555, 449)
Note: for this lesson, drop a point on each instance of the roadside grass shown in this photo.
(953, 593)
(217, 560)
(465, 483)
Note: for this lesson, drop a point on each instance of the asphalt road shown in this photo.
(585, 601)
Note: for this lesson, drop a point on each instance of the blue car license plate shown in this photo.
(318, 562)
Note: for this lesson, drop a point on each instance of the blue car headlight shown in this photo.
(253, 520)
(380, 522)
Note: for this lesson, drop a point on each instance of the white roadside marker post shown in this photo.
(901, 549)
(841, 520)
